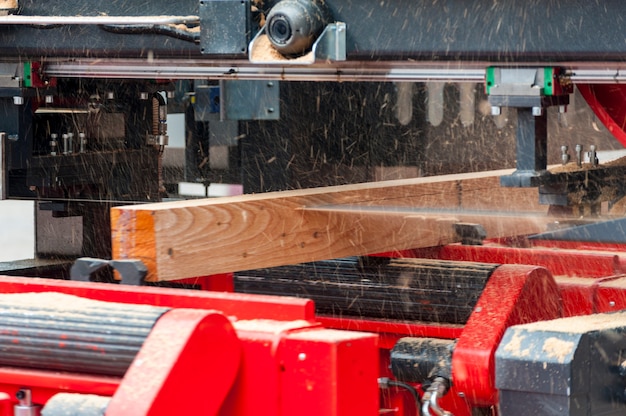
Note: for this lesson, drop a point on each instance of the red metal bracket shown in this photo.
(514, 295)
(187, 365)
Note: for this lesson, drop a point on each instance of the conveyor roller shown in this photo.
(54, 331)
(403, 289)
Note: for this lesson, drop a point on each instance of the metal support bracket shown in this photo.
(330, 46)
(531, 91)
(133, 272)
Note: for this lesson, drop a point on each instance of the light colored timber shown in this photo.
(193, 238)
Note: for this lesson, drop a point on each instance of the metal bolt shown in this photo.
(13, 137)
(612, 304)
(564, 155)
(17, 100)
(143, 96)
(270, 84)
(53, 144)
(537, 111)
(593, 156)
(301, 356)
(171, 94)
(110, 95)
(562, 109)
(83, 142)
(270, 109)
(49, 99)
(579, 155)
(495, 111)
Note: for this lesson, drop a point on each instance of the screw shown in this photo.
(564, 155)
(495, 111)
(49, 99)
(593, 156)
(301, 356)
(579, 155)
(537, 111)
(143, 96)
(17, 100)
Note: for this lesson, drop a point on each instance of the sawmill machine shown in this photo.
(432, 220)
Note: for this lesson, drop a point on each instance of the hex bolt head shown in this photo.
(17, 100)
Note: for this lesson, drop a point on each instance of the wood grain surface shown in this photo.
(193, 238)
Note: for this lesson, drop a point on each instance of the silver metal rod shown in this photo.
(97, 20)
(380, 71)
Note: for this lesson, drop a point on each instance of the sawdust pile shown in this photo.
(264, 51)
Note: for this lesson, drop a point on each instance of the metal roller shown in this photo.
(54, 331)
(404, 289)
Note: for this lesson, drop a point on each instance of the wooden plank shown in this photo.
(193, 238)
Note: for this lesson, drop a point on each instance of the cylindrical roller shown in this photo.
(54, 331)
(71, 404)
(293, 25)
(415, 360)
(404, 289)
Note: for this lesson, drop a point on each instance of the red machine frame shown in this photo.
(272, 355)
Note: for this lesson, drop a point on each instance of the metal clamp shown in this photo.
(133, 272)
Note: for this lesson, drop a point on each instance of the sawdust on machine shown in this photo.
(264, 51)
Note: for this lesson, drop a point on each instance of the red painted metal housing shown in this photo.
(272, 355)
(607, 102)
(217, 353)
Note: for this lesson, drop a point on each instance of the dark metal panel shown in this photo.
(418, 29)
(569, 366)
(92, 41)
(221, 23)
(250, 100)
(477, 29)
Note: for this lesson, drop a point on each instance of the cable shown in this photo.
(386, 382)
(175, 31)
